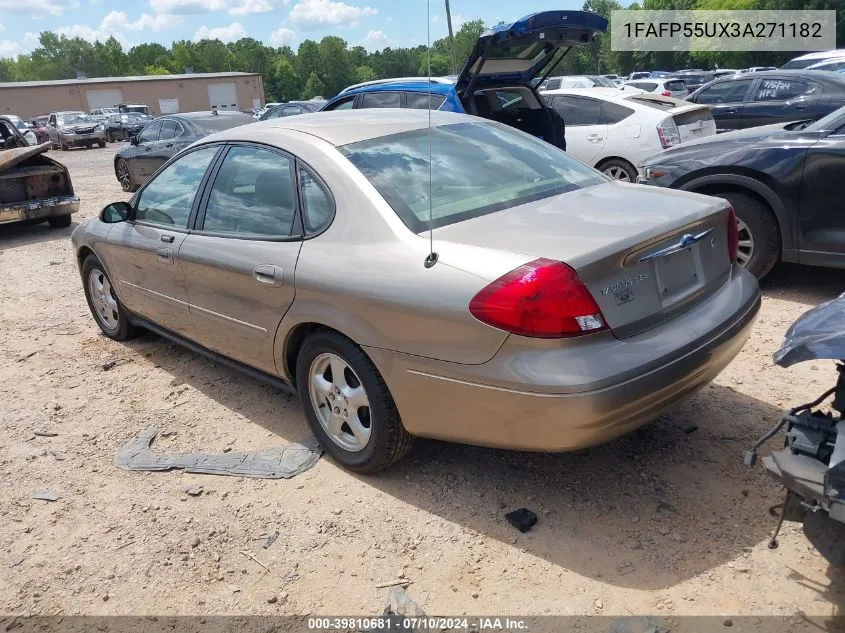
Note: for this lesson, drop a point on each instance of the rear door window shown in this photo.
(382, 100)
(614, 113)
(783, 89)
(150, 133)
(578, 110)
(169, 129)
(419, 100)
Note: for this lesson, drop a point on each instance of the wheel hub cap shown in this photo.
(745, 246)
(340, 402)
(103, 299)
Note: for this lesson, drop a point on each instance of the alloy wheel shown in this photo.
(103, 299)
(123, 175)
(340, 402)
(617, 173)
(745, 249)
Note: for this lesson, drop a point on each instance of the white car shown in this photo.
(835, 65)
(614, 130)
(674, 88)
(577, 81)
(805, 61)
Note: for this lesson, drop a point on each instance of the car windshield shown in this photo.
(74, 119)
(832, 121)
(133, 116)
(476, 169)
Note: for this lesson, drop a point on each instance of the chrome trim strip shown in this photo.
(155, 294)
(687, 241)
(229, 319)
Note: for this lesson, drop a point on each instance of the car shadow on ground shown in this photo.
(664, 504)
(803, 284)
(20, 234)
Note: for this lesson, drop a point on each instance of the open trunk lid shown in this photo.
(521, 51)
(11, 157)
(646, 255)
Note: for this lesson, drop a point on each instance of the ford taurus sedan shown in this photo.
(494, 291)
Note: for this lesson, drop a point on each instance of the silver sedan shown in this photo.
(464, 281)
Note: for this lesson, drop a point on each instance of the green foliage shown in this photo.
(326, 67)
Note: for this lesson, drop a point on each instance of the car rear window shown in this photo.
(663, 103)
(476, 169)
(221, 122)
(643, 85)
(675, 85)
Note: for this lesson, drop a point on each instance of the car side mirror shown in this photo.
(116, 212)
(133, 140)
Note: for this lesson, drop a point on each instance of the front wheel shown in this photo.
(59, 221)
(103, 302)
(124, 176)
(348, 405)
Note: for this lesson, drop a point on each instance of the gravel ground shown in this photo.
(664, 521)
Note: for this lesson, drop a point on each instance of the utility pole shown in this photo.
(451, 39)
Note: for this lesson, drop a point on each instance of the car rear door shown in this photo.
(143, 252)
(240, 261)
(821, 216)
(727, 101)
(586, 133)
(780, 100)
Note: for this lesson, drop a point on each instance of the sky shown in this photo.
(373, 24)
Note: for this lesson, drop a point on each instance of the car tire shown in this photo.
(102, 143)
(759, 239)
(59, 221)
(63, 146)
(124, 177)
(114, 323)
(619, 169)
(827, 536)
(386, 440)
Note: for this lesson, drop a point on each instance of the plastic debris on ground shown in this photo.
(522, 519)
(280, 462)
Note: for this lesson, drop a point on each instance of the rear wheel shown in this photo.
(619, 169)
(759, 236)
(102, 143)
(124, 176)
(103, 302)
(347, 404)
(59, 221)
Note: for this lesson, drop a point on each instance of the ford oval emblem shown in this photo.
(688, 240)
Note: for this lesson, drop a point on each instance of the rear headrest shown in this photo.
(272, 188)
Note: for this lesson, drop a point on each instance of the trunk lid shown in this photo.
(521, 51)
(646, 255)
(692, 120)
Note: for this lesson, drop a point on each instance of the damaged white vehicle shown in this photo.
(33, 187)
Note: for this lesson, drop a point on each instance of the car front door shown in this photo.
(586, 134)
(821, 215)
(239, 262)
(143, 164)
(144, 251)
(780, 100)
(170, 141)
(726, 100)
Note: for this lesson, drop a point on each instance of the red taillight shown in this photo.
(666, 93)
(733, 235)
(542, 299)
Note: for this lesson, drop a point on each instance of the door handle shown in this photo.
(163, 256)
(269, 274)
(595, 138)
(729, 110)
(169, 145)
(800, 108)
(167, 238)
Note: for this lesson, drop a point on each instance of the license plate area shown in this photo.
(678, 274)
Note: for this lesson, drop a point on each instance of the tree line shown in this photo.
(324, 68)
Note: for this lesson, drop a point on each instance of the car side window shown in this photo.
(614, 113)
(274, 114)
(553, 84)
(169, 129)
(317, 206)
(292, 110)
(725, 92)
(168, 198)
(577, 111)
(252, 195)
(421, 100)
(150, 133)
(783, 89)
(346, 104)
(382, 100)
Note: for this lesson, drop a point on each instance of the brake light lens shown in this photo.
(668, 133)
(666, 93)
(733, 235)
(542, 299)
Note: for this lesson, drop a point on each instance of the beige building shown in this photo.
(164, 94)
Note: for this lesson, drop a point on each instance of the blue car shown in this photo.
(499, 78)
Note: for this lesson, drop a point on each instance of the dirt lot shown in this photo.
(664, 521)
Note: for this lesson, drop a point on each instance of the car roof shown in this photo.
(397, 86)
(341, 127)
(815, 75)
(207, 114)
(839, 52)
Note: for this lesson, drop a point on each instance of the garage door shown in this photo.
(103, 98)
(222, 96)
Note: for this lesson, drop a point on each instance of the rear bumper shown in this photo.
(573, 396)
(38, 209)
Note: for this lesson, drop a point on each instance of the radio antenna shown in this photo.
(431, 258)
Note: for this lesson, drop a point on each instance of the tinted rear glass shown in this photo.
(419, 100)
(381, 100)
(476, 169)
(643, 85)
(221, 122)
(675, 85)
